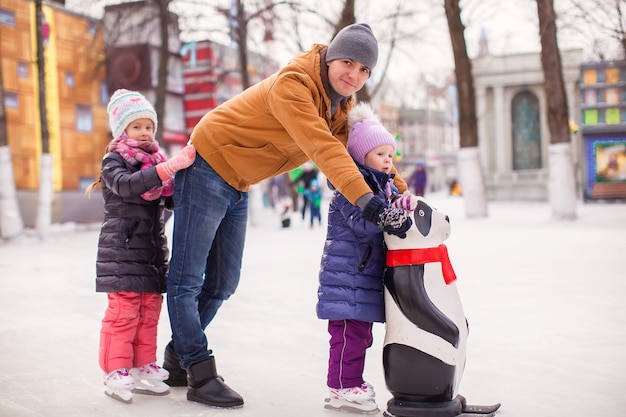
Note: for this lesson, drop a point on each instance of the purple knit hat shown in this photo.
(366, 132)
(127, 106)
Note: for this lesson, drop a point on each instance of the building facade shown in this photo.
(132, 36)
(603, 103)
(211, 75)
(512, 126)
(75, 94)
(430, 137)
(86, 59)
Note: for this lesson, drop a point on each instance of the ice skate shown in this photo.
(149, 379)
(358, 400)
(119, 385)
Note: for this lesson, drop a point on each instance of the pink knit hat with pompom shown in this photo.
(366, 132)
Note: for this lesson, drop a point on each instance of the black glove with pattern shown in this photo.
(395, 221)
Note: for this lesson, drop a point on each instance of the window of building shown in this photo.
(7, 17)
(22, 70)
(104, 93)
(84, 118)
(10, 100)
(526, 131)
(69, 79)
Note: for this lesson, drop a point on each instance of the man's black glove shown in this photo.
(395, 221)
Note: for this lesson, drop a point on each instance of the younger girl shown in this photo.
(132, 258)
(350, 294)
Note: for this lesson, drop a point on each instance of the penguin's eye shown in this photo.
(420, 213)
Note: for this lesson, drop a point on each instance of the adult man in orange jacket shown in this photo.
(295, 115)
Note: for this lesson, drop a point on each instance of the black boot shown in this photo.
(206, 386)
(178, 376)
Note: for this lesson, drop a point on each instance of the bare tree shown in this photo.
(470, 170)
(239, 20)
(601, 21)
(44, 206)
(164, 58)
(11, 224)
(562, 179)
(242, 42)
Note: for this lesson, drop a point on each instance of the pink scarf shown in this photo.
(147, 154)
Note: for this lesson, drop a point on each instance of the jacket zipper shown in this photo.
(365, 259)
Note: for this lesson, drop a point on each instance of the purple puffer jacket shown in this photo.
(353, 261)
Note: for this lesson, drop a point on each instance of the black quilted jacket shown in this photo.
(132, 247)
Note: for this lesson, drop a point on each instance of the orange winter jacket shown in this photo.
(277, 125)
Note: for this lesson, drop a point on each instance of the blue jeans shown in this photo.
(210, 219)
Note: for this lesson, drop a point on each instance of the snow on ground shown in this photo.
(544, 300)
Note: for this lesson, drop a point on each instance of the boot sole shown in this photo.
(191, 397)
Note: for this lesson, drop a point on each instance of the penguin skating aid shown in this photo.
(426, 332)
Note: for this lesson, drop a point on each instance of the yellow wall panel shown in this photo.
(9, 74)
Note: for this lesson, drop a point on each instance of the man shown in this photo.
(297, 114)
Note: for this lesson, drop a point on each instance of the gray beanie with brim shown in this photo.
(355, 42)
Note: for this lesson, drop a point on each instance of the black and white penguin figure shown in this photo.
(426, 329)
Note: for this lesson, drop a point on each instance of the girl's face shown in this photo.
(347, 76)
(141, 130)
(380, 158)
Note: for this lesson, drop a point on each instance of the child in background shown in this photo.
(313, 196)
(350, 294)
(132, 258)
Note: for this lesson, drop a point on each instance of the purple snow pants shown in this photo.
(348, 341)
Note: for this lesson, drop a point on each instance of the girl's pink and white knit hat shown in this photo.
(127, 106)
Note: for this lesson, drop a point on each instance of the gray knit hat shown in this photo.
(127, 106)
(356, 42)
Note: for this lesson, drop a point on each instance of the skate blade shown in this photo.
(157, 388)
(347, 407)
(144, 391)
(115, 396)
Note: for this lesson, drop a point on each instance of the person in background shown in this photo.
(280, 191)
(417, 180)
(295, 115)
(350, 294)
(313, 196)
(307, 176)
(132, 258)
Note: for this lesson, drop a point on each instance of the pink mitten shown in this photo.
(185, 158)
(406, 201)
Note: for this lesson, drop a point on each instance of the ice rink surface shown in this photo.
(544, 300)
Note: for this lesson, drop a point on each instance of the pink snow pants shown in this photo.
(128, 336)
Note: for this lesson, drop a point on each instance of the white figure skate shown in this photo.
(119, 385)
(148, 379)
(358, 400)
